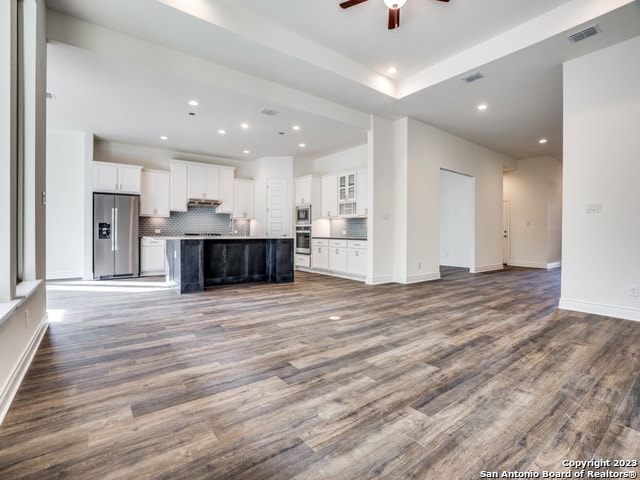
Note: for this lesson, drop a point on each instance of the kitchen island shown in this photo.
(196, 263)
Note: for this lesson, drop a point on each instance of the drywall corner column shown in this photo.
(399, 218)
(66, 204)
(87, 195)
(601, 199)
(379, 183)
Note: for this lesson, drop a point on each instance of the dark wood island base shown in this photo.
(195, 264)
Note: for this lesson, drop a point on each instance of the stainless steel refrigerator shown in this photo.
(115, 236)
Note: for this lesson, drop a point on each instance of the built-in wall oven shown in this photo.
(303, 239)
(303, 214)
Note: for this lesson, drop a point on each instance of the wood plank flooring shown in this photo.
(324, 378)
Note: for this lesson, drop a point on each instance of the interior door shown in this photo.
(277, 207)
(505, 232)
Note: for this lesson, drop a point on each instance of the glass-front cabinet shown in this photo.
(347, 193)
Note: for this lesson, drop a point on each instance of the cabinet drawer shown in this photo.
(338, 243)
(151, 242)
(357, 244)
(319, 242)
(302, 261)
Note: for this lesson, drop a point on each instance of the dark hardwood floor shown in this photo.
(324, 378)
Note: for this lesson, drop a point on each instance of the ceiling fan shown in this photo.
(394, 9)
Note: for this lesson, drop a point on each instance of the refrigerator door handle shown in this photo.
(115, 230)
(113, 216)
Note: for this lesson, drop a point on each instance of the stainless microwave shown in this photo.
(303, 214)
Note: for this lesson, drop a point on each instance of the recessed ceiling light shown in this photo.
(245, 125)
(483, 106)
(542, 140)
(296, 127)
(392, 70)
(246, 151)
(193, 103)
(334, 317)
(164, 137)
(302, 145)
(222, 131)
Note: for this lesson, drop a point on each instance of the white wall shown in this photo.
(601, 251)
(65, 204)
(456, 219)
(534, 191)
(428, 150)
(343, 161)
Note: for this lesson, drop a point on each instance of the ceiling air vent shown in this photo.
(268, 111)
(472, 77)
(586, 33)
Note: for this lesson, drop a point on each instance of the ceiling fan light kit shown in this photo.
(394, 9)
(395, 3)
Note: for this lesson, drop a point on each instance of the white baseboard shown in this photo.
(9, 393)
(546, 266)
(448, 262)
(427, 277)
(63, 275)
(380, 280)
(600, 309)
(486, 268)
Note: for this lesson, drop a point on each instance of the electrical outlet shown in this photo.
(157, 230)
(633, 290)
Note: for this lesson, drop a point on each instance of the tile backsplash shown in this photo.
(353, 228)
(194, 220)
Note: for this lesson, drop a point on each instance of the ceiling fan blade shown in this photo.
(351, 3)
(394, 18)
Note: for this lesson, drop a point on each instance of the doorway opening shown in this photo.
(457, 222)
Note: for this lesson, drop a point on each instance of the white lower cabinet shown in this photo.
(357, 253)
(152, 256)
(320, 254)
(343, 257)
(338, 260)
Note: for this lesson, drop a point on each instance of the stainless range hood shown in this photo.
(203, 202)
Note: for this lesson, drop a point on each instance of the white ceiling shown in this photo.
(321, 67)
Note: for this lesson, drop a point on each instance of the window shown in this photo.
(22, 144)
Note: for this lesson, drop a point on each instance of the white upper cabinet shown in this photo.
(178, 197)
(345, 194)
(226, 189)
(244, 198)
(309, 190)
(154, 198)
(116, 178)
(303, 190)
(203, 181)
(329, 195)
